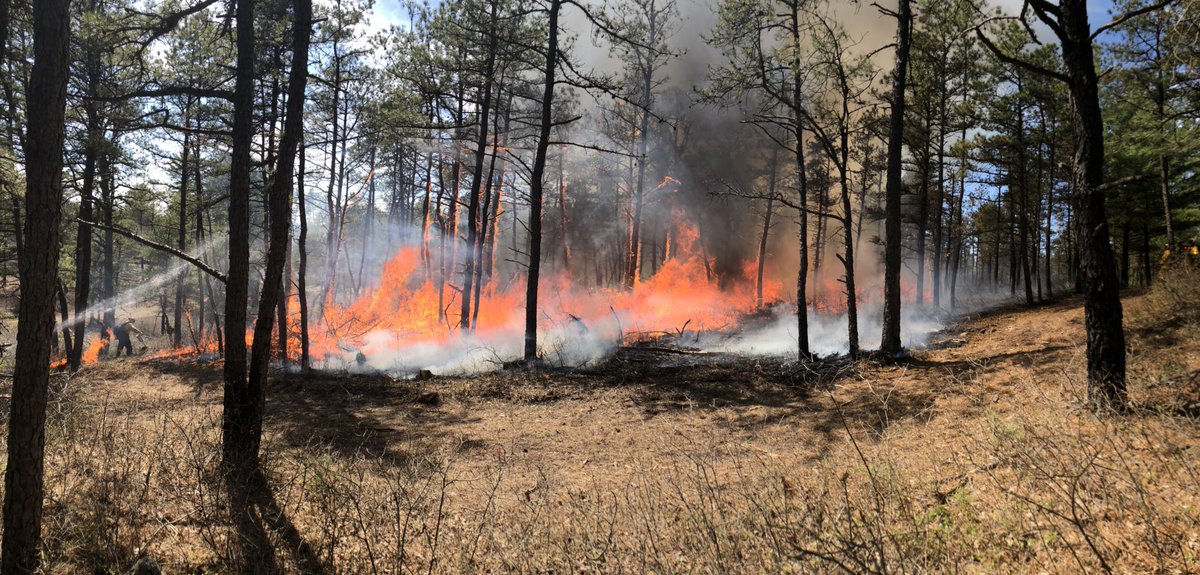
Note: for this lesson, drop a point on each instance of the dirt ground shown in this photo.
(976, 456)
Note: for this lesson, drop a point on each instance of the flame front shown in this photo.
(402, 312)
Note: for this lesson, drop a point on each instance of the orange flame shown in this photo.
(684, 293)
(92, 353)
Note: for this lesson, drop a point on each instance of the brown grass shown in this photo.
(976, 457)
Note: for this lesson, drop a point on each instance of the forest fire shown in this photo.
(399, 323)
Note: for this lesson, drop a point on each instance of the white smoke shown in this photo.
(827, 334)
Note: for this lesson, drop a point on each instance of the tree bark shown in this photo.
(279, 201)
(83, 239)
(302, 271)
(332, 204)
(537, 184)
(238, 442)
(180, 294)
(473, 208)
(804, 352)
(38, 262)
(766, 229)
(890, 342)
(1102, 299)
(108, 275)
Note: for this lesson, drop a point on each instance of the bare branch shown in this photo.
(1129, 16)
(1017, 61)
(160, 247)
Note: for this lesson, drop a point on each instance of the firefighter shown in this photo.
(123, 333)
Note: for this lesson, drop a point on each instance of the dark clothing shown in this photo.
(123, 333)
(123, 343)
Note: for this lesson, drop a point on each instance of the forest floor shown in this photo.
(976, 456)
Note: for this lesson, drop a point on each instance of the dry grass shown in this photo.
(976, 457)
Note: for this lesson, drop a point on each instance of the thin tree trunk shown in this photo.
(239, 444)
(368, 217)
(890, 342)
(302, 272)
(60, 294)
(848, 234)
(938, 213)
(766, 230)
(332, 232)
(958, 227)
(473, 208)
(1023, 217)
(922, 215)
(279, 198)
(537, 184)
(181, 243)
(799, 117)
(563, 217)
(108, 276)
(426, 265)
(487, 220)
(1050, 221)
(198, 235)
(83, 239)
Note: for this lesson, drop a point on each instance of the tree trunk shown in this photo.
(425, 263)
(804, 352)
(922, 214)
(238, 447)
(1023, 217)
(536, 185)
(487, 218)
(60, 293)
(766, 230)
(279, 200)
(108, 276)
(369, 215)
(473, 208)
(848, 235)
(302, 271)
(38, 263)
(563, 218)
(1049, 221)
(956, 257)
(331, 231)
(198, 235)
(182, 239)
(890, 342)
(1125, 237)
(1102, 299)
(1165, 189)
(635, 236)
(83, 239)
(938, 213)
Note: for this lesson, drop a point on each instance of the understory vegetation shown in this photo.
(998, 467)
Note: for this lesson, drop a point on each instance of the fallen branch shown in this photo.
(160, 247)
(661, 350)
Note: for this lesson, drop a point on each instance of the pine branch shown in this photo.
(160, 247)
